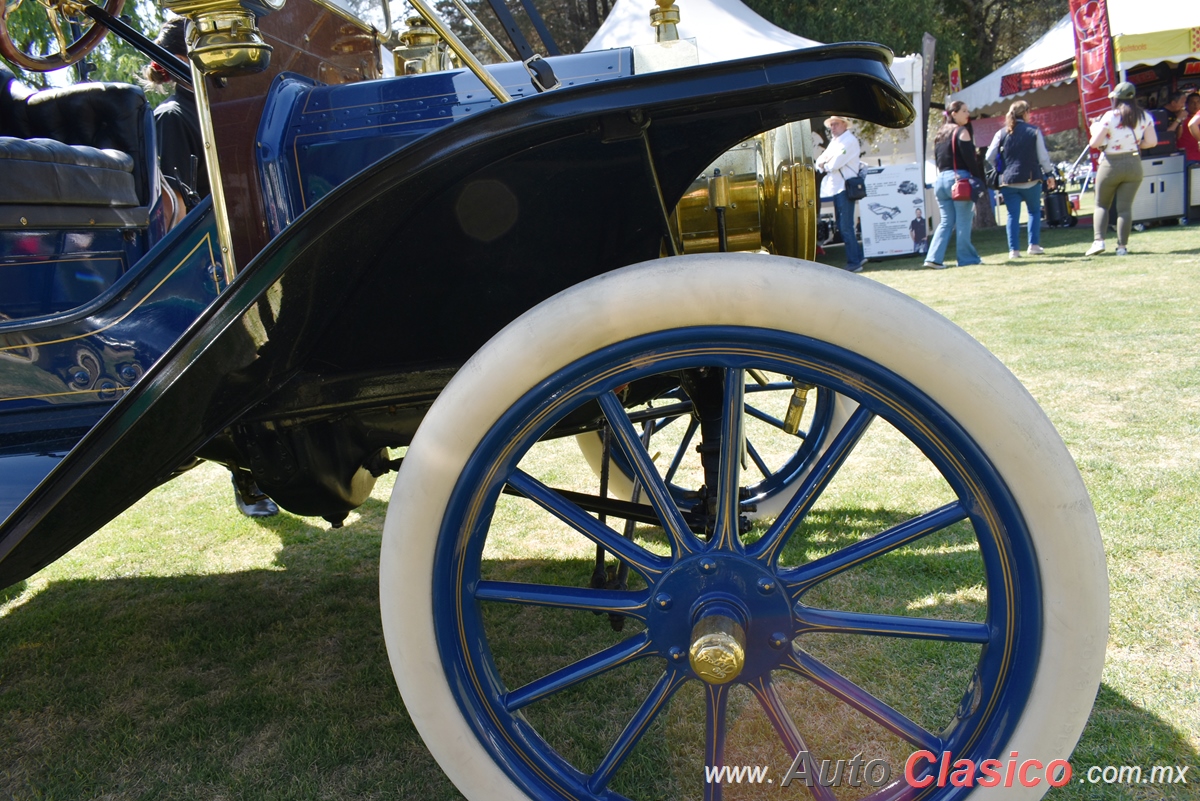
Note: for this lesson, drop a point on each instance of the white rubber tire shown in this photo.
(849, 311)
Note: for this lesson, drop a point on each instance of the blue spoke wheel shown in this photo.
(783, 629)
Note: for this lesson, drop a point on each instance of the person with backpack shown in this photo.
(1018, 155)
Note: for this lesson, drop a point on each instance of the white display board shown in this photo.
(895, 198)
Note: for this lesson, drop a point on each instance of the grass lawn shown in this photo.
(186, 652)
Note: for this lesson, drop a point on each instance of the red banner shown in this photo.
(1055, 119)
(1094, 56)
(1051, 119)
(1016, 82)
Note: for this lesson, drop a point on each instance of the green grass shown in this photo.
(185, 652)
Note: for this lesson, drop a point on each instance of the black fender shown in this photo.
(415, 262)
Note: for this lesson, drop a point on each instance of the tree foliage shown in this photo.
(985, 33)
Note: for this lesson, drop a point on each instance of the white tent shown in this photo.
(723, 29)
(1143, 31)
(1054, 48)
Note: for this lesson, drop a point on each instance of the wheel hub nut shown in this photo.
(718, 650)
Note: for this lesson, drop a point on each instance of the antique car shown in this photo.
(445, 272)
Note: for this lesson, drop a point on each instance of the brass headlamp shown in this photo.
(767, 194)
(224, 40)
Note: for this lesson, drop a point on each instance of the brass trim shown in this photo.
(665, 20)
(460, 50)
(216, 185)
(117, 388)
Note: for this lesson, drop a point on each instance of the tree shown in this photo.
(986, 33)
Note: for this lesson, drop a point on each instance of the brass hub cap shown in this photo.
(718, 649)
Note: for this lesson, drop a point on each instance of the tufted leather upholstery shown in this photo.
(110, 126)
(46, 171)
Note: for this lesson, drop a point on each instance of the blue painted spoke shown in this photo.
(801, 579)
(768, 697)
(838, 685)
(717, 698)
(771, 545)
(766, 418)
(654, 703)
(669, 413)
(624, 602)
(773, 386)
(649, 565)
(758, 460)
(600, 662)
(681, 538)
(729, 473)
(829, 621)
(681, 451)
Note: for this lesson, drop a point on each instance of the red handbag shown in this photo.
(962, 187)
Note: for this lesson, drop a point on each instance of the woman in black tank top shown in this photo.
(954, 154)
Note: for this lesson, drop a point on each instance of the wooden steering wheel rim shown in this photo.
(75, 50)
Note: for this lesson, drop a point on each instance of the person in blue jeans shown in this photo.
(954, 155)
(1018, 152)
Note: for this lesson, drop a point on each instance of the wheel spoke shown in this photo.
(829, 621)
(630, 604)
(839, 686)
(681, 451)
(717, 701)
(766, 418)
(681, 538)
(729, 474)
(772, 386)
(669, 413)
(647, 564)
(768, 697)
(56, 27)
(799, 580)
(600, 662)
(771, 545)
(758, 460)
(667, 684)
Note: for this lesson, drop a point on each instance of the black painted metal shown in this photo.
(509, 23)
(539, 25)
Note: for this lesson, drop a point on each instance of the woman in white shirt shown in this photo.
(1119, 134)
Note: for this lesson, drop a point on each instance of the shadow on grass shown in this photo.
(8, 593)
(275, 683)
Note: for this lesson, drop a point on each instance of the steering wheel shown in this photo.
(61, 14)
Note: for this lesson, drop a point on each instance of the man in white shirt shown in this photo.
(839, 162)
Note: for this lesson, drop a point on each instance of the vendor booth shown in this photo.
(1156, 46)
(723, 30)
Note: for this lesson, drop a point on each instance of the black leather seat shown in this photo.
(79, 155)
